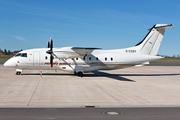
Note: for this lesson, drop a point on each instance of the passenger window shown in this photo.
(97, 58)
(46, 57)
(105, 59)
(111, 59)
(76, 58)
(89, 58)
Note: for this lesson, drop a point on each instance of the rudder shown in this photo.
(151, 43)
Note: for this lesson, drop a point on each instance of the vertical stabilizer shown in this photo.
(151, 43)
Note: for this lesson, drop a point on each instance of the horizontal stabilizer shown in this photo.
(162, 26)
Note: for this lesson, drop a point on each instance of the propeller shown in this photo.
(50, 45)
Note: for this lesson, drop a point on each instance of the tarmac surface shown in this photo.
(135, 86)
(147, 92)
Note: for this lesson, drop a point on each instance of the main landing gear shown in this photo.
(79, 71)
(80, 74)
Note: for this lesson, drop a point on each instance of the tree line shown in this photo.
(8, 52)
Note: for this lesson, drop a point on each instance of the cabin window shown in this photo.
(76, 58)
(97, 58)
(63, 67)
(111, 59)
(89, 58)
(46, 57)
(105, 58)
(84, 58)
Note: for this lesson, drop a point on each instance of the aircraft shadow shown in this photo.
(119, 76)
(112, 76)
(96, 74)
(104, 74)
(48, 74)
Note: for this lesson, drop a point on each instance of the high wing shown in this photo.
(82, 51)
(72, 52)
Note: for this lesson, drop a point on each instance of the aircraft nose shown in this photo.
(8, 63)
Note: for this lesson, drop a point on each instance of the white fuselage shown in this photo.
(97, 60)
(80, 60)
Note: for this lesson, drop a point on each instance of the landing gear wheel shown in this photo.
(18, 73)
(80, 74)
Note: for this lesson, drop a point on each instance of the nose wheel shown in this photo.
(18, 73)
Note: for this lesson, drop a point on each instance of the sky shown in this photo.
(106, 24)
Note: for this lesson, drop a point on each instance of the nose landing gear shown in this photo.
(18, 71)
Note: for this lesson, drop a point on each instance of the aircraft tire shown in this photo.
(80, 74)
(18, 73)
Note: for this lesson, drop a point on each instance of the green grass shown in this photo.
(5, 57)
(168, 60)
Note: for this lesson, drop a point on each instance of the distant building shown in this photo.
(1, 52)
(15, 52)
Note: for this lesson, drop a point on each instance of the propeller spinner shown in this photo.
(50, 45)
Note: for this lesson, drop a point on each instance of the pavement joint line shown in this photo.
(34, 92)
(108, 93)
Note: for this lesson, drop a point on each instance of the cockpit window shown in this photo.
(21, 54)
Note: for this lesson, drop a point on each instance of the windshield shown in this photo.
(21, 54)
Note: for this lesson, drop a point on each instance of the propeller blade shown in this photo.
(48, 44)
(51, 44)
(51, 60)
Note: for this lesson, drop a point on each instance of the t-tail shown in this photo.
(151, 43)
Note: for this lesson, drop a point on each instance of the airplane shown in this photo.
(80, 60)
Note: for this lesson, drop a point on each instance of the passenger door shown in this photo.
(36, 59)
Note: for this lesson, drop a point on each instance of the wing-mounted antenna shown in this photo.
(50, 45)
